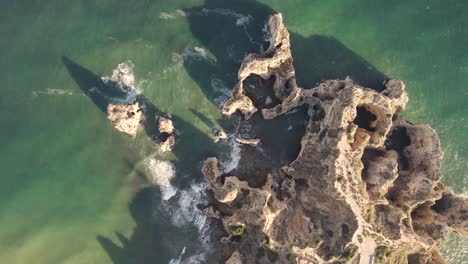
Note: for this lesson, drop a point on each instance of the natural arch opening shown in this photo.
(398, 139)
(365, 119)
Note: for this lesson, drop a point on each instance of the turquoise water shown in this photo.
(74, 190)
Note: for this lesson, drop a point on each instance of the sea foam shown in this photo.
(162, 172)
(180, 205)
(230, 160)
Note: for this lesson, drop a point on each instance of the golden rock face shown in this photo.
(364, 179)
(125, 117)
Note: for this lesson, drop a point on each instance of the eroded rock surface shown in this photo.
(219, 135)
(166, 137)
(125, 117)
(364, 185)
(248, 141)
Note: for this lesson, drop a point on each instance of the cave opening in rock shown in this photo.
(163, 136)
(365, 119)
(441, 206)
(260, 90)
(398, 139)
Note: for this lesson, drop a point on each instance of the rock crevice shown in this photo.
(364, 179)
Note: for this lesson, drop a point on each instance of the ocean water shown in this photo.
(74, 190)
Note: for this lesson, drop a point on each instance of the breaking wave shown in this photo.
(241, 19)
(229, 161)
(180, 205)
(220, 88)
(123, 77)
(120, 87)
(196, 53)
(51, 91)
(177, 260)
(162, 172)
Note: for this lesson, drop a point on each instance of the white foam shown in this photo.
(172, 15)
(180, 205)
(185, 211)
(266, 32)
(165, 16)
(230, 162)
(220, 88)
(162, 172)
(177, 261)
(241, 19)
(123, 79)
(182, 210)
(196, 53)
(53, 91)
(122, 76)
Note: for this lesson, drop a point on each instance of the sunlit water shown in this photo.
(74, 190)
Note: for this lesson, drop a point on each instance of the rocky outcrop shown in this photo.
(276, 60)
(364, 179)
(166, 137)
(235, 258)
(248, 141)
(219, 135)
(125, 117)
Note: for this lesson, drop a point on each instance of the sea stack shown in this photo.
(125, 117)
(166, 137)
(365, 187)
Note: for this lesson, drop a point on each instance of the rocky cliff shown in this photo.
(365, 187)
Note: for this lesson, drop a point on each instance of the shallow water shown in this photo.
(76, 191)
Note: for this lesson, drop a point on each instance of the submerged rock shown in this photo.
(125, 117)
(365, 183)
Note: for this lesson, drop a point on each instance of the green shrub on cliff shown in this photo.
(381, 253)
(238, 230)
(272, 255)
(341, 180)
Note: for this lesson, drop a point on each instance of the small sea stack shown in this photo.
(219, 135)
(125, 117)
(166, 137)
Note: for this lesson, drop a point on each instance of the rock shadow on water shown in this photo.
(151, 241)
(155, 238)
(318, 58)
(188, 138)
(229, 30)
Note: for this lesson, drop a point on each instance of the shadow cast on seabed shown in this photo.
(102, 94)
(228, 30)
(155, 238)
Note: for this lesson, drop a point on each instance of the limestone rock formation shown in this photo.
(235, 258)
(125, 117)
(219, 135)
(366, 184)
(248, 141)
(165, 125)
(276, 60)
(166, 137)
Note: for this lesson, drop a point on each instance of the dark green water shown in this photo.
(74, 190)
